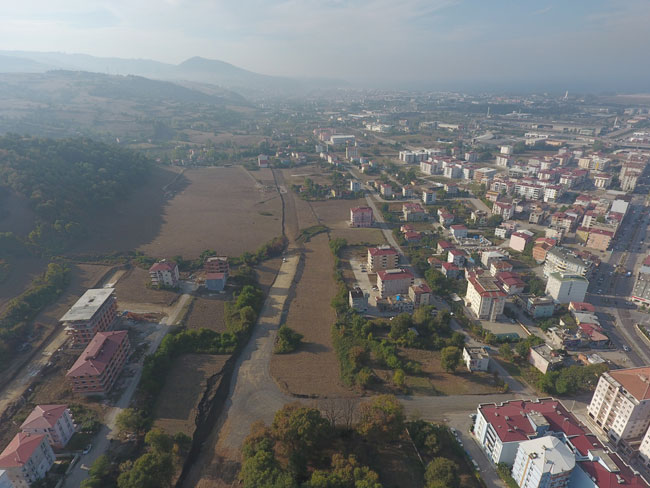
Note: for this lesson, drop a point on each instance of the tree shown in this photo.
(442, 472)
(399, 378)
(159, 441)
(382, 418)
(287, 340)
(536, 286)
(505, 351)
(151, 470)
(131, 420)
(346, 473)
(98, 473)
(450, 358)
(299, 429)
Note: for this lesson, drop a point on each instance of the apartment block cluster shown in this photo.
(546, 446)
(31, 453)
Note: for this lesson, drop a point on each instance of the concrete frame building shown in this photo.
(164, 273)
(95, 311)
(361, 217)
(543, 463)
(394, 282)
(565, 288)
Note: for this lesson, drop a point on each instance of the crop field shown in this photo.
(313, 369)
(177, 404)
(132, 287)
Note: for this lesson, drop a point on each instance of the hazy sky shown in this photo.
(444, 40)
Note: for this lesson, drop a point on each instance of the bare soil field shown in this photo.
(207, 313)
(336, 215)
(220, 210)
(132, 287)
(177, 404)
(313, 369)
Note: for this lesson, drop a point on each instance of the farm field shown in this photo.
(313, 369)
(336, 215)
(132, 287)
(177, 404)
(207, 313)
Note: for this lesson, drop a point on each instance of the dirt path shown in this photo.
(253, 394)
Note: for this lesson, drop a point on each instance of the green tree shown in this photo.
(382, 418)
(131, 420)
(399, 378)
(450, 358)
(288, 340)
(345, 473)
(442, 472)
(151, 470)
(159, 441)
(98, 473)
(299, 429)
(505, 351)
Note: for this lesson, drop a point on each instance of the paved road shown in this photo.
(101, 442)
(253, 393)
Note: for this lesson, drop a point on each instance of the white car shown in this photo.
(87, 449)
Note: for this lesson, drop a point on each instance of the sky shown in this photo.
(559, 42)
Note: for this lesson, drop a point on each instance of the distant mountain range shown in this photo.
(195, 69)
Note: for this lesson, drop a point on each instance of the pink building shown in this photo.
(164, 273)
(518, 240)
(26, 459)
(361, 217)
(53, 421)
(96, 369)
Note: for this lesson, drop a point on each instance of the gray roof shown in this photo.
(88, 304)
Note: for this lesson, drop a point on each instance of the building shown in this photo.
(446, 218)
(383, 257)
(459, 231)
(352, 154)
(53, 421)
(602, 180)
(216, 281)
(341, 139)
(386, 190)
(456, 256)
(519, 239)
(444, 246)
(420, 295)
(476, 358)
(510, 283)
(500, 266)
(489, 257)
(95, 311)
(429, 196)
(96, 369)
(485, 297)
(361, 217)
(540, 307)
(355, 186)
(599, 239)
(358, 300)
(641, 290)
(562, 260)
(620, 406)
(543, 463)
(565, 288)
(503, 209)
(263, 161)
(451, 271)
(394, 282)
(164, 273)
(544, 358)
(541, 248)
(26, 459)
(413, 212)
(217, 264)
(5, 482)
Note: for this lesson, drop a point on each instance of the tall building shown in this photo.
(394, 282)
(54, 421)
(361, 217)
(383, 257)
(26, 459)
(565, 288)
(164, 273)
(485, 297)
(94, 312)
(543, 463)
(562, 260)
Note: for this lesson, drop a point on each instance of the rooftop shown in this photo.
(635, 380)
(394, 274)
(549, 455)
(19, 450)
(89, 303)
(382, 251)
(98, 353)
(163, 266)
(44, 416)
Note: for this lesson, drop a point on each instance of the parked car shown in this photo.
(87, 449)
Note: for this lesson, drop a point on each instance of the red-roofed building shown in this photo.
(413, 212)
(581, 307)
(518, 240)
(510, 283)
(412, 236)
(394, 282)
(500, 266)
(26, 459)
(96, 369)
(384, 257)
(450, 270)
(420, 295)
(53, 421)
(485, 297)
(446, 218)
(504, 209)
(456, 256)
(164, 273)
(459, 231)
(599, 239)
(541, 247)
(444, 246)
(361, 217)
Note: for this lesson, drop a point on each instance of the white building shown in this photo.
(476, 358)
(164, 273)
(53, 421)
(394, 282)
(339, 139)
(485, 297)
(428, 196)
(26, 459)
(561, 260)
(355, 185)
(565, 288)
(543, 463)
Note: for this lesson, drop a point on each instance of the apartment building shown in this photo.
(641, 290)
(519, 240)
(503, 209)
(164, 273)
(476, 358)
(97, 368)
(420, 295)
(485, 297)
(217, 264)
(95, 311)
(565, 288)
(562, 260)
(53, 421)
(543, 462)
(413, 212)
(361, 217)
(383, 257)
(394, 282)
(26, 459)
(429, 196)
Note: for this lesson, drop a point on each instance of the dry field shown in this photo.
(132, 287)
(207, 313)
(177, 404)
(336, 215)
(313, 369)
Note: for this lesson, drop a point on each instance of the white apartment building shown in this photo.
(164, 273)
(393, 282)
(561, 260)
(485, 297)
(543, 463)
(620, 406)
(26, 459)
(529, 190)
(566, 288)
(53, 421)
(476, 358)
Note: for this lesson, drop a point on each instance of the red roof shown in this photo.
(381, 251)
(215, 276)
(163, 266)
(607, 479)
(422, 288)
(646, 261)
(98, 353)
(395, 275)
(361, 210)
(447, 245)
(634, 380)
(450, 266)
(582, 307)
(457, 252)
(44, 416)
(458, 227)
(19, 450)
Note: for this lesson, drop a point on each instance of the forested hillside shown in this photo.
(65, 181)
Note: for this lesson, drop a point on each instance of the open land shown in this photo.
(132, 287)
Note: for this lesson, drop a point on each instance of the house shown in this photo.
(420, 295)
(97, 368)
(544, 358)
(451, 271)
(444, 246)
(164, 273)
(500, 266)
(581, 307)
(53, 421)
(502, 232)
(540, 307)
(511, 283)
(263, 161)
(383, 257)
(386, 190)
(429, 196)
(355, 186)
(446, 218)
(541, 248)
(456, 256)
(519, 240)
(476, 358)
(485, 297)
(26, 459)
(216, 281)
(361, 217)
(217, 264)
(412, 236)
(358, 300)
(413, 212)
(394, 282)
(565, 288)
(95, 311)
(459, 231)
(488, 257)
(407, 191)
